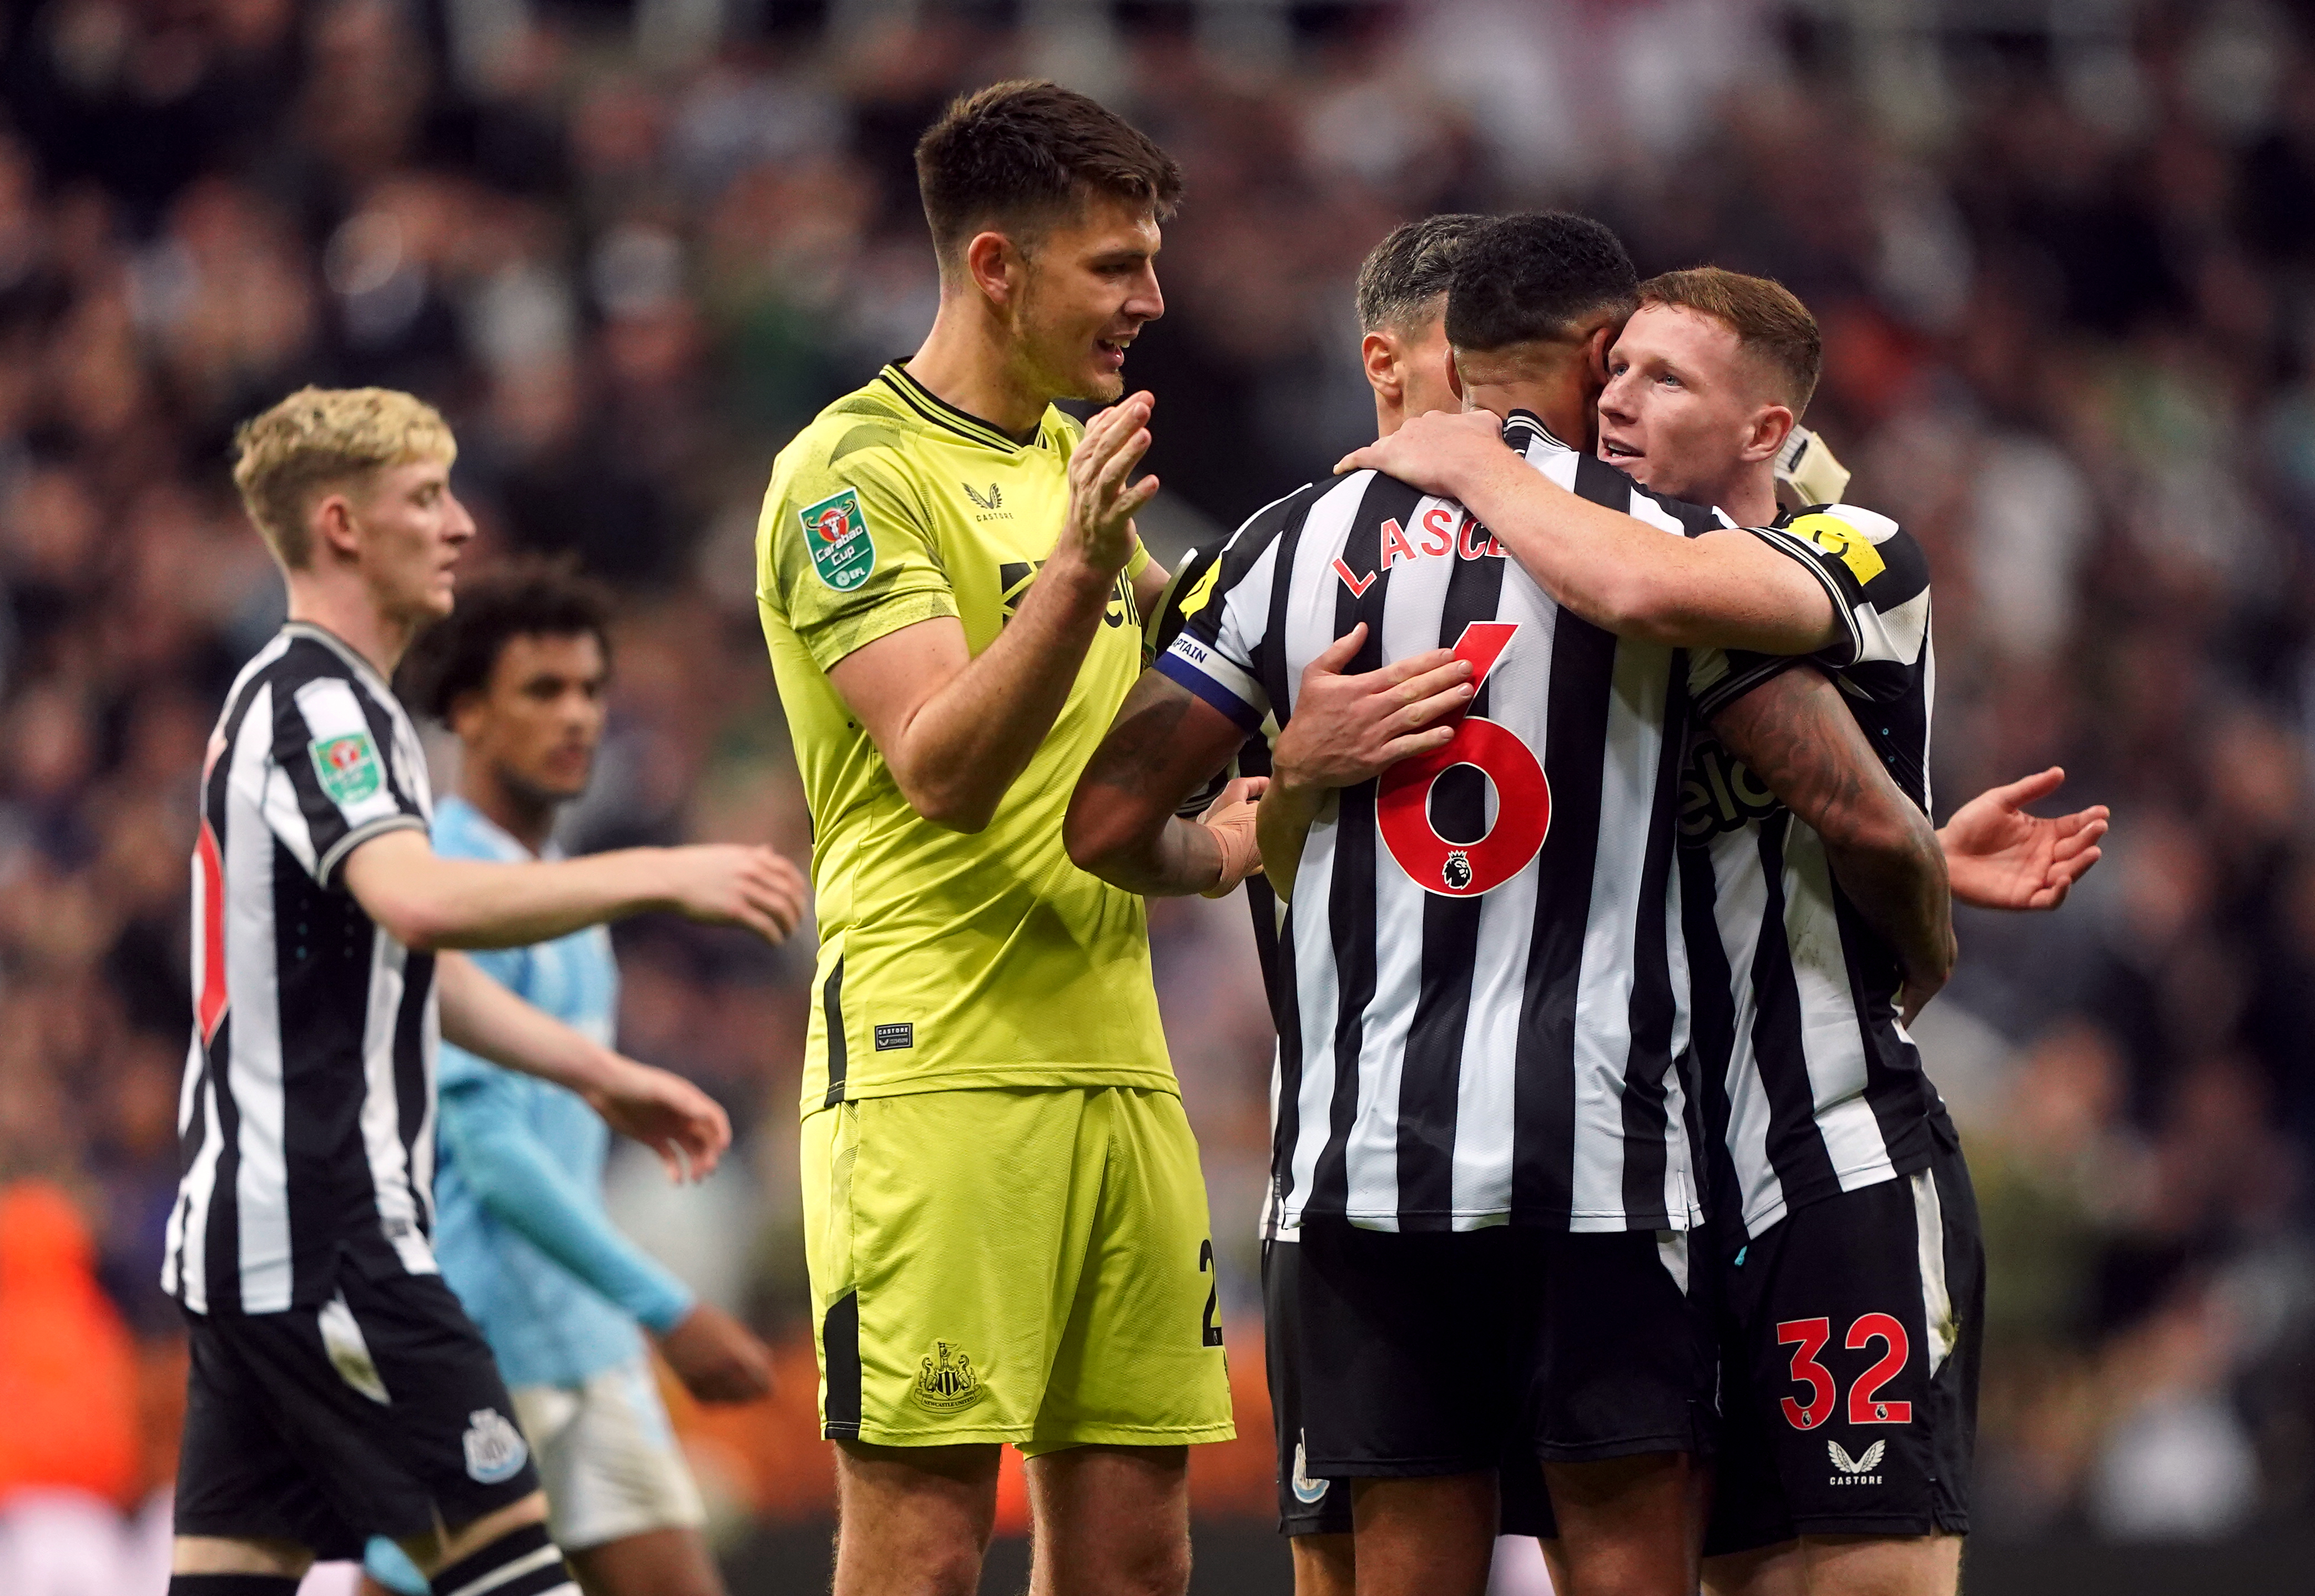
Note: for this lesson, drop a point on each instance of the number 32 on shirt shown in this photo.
(1522, 795)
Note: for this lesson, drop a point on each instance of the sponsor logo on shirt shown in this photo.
(1016, 577)
(843, 549)
(891, 1037)
(1719, 792)
(945, 1382)
(347, 765)
(992, 509)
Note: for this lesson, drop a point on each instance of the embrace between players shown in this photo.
(1598, 832)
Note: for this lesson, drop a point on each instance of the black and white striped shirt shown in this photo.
(1812, 1085)
(305, 1120)
(1484, 986)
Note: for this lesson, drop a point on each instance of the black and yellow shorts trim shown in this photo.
(1031, 1265)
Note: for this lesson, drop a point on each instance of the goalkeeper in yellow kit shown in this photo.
(1004, 1218)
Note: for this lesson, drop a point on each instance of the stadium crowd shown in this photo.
(2069, 295)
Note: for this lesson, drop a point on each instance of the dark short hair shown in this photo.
(1023, 154)
(527, 598)
(1536, 276)
(1770, 322)
(1409, 270)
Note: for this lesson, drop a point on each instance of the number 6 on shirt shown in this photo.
(1522, 794)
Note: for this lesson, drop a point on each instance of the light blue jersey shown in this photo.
(521, 1232)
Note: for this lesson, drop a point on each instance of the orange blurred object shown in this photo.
(68, 1370)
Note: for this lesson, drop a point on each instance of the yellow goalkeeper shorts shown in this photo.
(1031, 1265)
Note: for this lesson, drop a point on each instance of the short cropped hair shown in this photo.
(1536, 277)
(1407, 273)
(320, 438)
(1770, 322)
(1024, 154)
(530, 597)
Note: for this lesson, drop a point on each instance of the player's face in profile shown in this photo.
(1680, 402)
(412, 529)
(1089, 286)
(538, 719)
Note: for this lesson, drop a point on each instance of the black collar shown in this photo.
(940, 413)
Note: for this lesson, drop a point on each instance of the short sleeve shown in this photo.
(1219, 617)
(341, 787)
(1718, 678)
(1877, 576)
(848, 556)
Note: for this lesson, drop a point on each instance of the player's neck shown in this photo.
(341, 603)
(524, 816)
(1565, 407)
(967, 361)
(1749, 495)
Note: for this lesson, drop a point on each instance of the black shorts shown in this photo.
(1840, 1414)
(1436, 1353)
(1319, 1506)
(380, 1413)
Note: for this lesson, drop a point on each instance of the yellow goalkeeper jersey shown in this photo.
(945, 960)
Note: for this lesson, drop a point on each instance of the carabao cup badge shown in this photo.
(843, 549)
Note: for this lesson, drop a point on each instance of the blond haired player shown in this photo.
(336, 1386)
(1004, 1218)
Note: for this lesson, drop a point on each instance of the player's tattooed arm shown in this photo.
(1725, 590)
(1165, 744)
(1799, 739)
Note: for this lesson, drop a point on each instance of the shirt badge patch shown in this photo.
(496, 1450)
(843, 549)
(945, 1382)
(348, 766)
(1844, 542)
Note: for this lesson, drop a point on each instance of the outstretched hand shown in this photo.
(735, 884)
(1435, 452)
(687, 1128)
(2001, 858)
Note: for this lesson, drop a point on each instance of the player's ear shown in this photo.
(993, 265)
(1595, 353)
(1455, 378)
(1771, 425)
(465, 718)
(1379, 353)
(331, 524)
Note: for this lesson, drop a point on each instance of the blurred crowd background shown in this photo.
(2064, 259)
